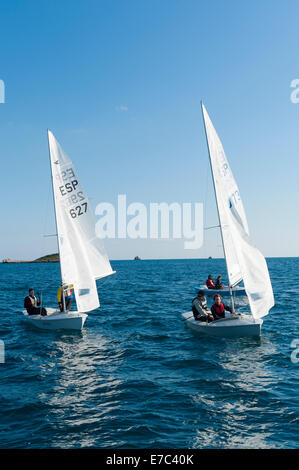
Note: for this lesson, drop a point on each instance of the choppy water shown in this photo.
(136, 376)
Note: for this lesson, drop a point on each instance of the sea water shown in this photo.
(137, 376)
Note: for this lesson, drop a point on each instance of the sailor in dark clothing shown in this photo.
(218, 309)
(219, 284)
(200, 310)
(32, 304)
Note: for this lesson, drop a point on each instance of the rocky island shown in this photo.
(53, 258)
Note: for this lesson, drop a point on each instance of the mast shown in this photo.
(57, 237)
(223, 246)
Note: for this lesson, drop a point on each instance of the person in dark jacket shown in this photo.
(32, 305)
(200, 310)
(219, 284)
(218, 309)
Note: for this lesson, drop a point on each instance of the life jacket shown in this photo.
(30, 303)
(210, 283)
(203, 304)
(219, 308)
(33, 300)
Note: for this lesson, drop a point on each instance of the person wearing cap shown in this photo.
(218, 309)
(210, 283)
(32, 305)
(200, 310)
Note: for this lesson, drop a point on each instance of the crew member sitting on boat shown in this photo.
(200, 310)
(68, 296)
(218, 309)
(210, 283)
(32, 305)
(219, 284)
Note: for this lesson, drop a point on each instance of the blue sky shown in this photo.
(119, 83)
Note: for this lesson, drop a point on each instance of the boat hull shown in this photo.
(56, 320)
(237, 291)
(241, 325)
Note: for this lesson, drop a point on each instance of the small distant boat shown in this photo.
(137, 258)
(244, 262)
(82, 255)
(226, 291)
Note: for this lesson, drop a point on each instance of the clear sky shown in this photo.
(119, 82)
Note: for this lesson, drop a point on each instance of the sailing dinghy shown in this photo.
(244, 262)
(82, 255)
(237, 291)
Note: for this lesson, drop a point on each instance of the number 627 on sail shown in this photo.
(78, 210)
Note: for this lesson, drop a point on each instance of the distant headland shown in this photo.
(54, 258)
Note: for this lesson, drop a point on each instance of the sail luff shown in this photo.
(215, 191)
(55, 213)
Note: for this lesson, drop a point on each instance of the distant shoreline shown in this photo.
(22, 262)
(54, 258)
(47, 260)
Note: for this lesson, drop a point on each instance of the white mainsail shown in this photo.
(82, 255)
(244, 261)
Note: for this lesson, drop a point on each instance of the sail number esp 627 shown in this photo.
(73, 196)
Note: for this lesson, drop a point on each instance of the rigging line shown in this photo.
(42, 241)
(206, 192)
(205, 201)
(213, 226)
(45, 214)
(56, 224)
(45, 217)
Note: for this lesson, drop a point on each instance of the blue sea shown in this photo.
(136, 376)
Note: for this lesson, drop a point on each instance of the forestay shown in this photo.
(244, 261)
(82, 255)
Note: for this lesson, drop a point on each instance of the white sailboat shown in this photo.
(82, 255)
(244, 262)
(237, 291)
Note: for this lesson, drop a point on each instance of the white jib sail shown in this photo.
(244, 261)
(82, 255)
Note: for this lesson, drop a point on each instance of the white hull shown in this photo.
(56, 320)
(223, 292)
(241, 325)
